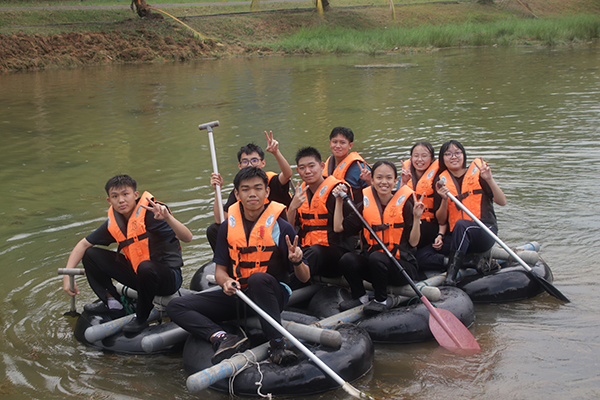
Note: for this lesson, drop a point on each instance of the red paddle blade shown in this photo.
(450, 333)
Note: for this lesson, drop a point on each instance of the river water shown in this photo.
(533, 114)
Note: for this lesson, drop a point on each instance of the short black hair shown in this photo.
(385, 162)
(245, 174)
(345, 132)
(118, 181)
(308, 152)
(249, 149)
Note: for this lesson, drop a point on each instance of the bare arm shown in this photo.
(162, 212)
(486, 173)
(217, 180)
(441, 214)
(74, 259)
(338, 214)
(226, 282)
(297, 200)
(301, 270)
(415, 232)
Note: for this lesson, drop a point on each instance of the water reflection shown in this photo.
(533, 115)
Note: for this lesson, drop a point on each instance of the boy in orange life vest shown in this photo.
(149, 236)
(311, 210)
(252, 155)
(255, 254)
(345, 165)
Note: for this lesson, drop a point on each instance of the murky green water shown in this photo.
(534, 115)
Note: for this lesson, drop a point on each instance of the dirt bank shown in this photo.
(159, 40)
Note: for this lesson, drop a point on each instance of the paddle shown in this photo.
(213, 155)
(449, 332)
(345, 385)
(545, 284)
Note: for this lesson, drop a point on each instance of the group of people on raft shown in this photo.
(271, 243)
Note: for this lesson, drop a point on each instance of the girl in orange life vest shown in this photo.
(391, 214)
(477, 190)
(419, 173)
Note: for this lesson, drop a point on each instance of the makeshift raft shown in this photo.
(253, 376)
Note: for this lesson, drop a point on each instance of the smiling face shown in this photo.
(310, 170)
(454, 159)
(384, 181)
(421, 158)
(123, 199)
(340, 146)
(252, 193)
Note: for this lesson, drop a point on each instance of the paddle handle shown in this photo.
(383, 246)
(489, 232)
(324, 367)
(213, 155)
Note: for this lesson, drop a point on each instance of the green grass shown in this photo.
(336, 39)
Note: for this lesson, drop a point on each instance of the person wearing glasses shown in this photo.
(419, 173)
(476, 188)
(251, 155)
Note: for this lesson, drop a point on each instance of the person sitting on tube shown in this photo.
(255, 253)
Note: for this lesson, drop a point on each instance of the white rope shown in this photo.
(246, 365)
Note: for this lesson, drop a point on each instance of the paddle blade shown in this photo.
(553, 291)
(451, 334)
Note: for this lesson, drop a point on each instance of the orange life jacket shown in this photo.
(254, 254)
(470, 194)
(340, 170)
(388, 223)
(425, 185)
(270, 175)
(314, 216)
(135, 245)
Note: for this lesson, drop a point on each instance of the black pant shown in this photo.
(151, 279)
(468, 237)
(199, 313)
(211, 234)
(378, 269)
(322, 261)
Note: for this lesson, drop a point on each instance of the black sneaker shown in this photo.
(279, 354)
(98, 307)
(348, 304)
(227, 345)
(135, 325)
(372, 308)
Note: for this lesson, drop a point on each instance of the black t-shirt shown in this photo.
(164, 246)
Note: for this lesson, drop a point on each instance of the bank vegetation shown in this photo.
(101, 31)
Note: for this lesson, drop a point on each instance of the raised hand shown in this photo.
(160, 211)
(440, 187)
(299, 196)
(418, 207)
(486, 171)
(405, 175)
(294, 252)
(272, 144)
(365, 173)
(216, 180)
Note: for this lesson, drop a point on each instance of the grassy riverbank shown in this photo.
(44, 38)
